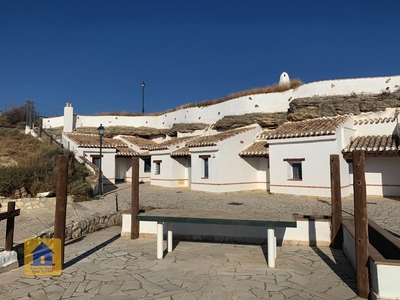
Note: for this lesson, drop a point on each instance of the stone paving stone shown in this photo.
(108, 289)
(70, 290)
(40, 294)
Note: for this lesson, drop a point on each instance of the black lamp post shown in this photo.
(100, 130)
(143, 85)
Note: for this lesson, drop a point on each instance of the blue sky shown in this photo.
(95, 54)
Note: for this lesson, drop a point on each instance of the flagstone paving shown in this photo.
(103, 265)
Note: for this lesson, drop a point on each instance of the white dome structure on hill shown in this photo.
(284, 79)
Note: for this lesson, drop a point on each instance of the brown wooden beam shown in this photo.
(135, 199)
(336, 203)
(10, 227)
(294, 159)
(61, 202)
(361, 223)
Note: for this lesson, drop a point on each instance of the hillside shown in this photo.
(26, 162)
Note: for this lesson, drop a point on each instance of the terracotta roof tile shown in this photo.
(143, 144)
(374, 121)
(373, 143)
(181, 152)
(306, 128)
(171, 142)
(126, 151)
(259, 149)
(212, 140)
(93, 141)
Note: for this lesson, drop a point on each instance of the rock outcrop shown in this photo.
(329, 106)
(265, 120)
(145, 132)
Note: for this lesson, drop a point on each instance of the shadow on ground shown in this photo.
(90, 251)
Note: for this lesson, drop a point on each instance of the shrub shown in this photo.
(20, 114)
(37, 171)
(13, 178)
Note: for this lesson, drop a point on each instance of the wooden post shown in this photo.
(135, 198)
(336, 203)
(61, 202)
(10, 227)
(361, 223)
(40, 127)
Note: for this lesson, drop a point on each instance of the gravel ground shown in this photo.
(384, 211)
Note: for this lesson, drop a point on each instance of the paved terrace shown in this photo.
(103, 265)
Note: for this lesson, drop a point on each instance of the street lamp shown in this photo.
(100, 130)
(143, 85)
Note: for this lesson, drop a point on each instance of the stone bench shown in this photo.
(170, 216)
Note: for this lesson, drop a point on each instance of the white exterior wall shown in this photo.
(108, 121)
(123, 168)
(373, 85)
(261, 167)
(273, 102)
(382, 176)
(315, 168)
(344, 135)
(210, 184)
(107, 162)
(143, 176)
(54, 122)
(376, 128)
(228, 172)
(173, 171)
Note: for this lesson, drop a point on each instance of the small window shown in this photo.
(96, 161)
(158, 168)
(297, 171)
(147, 165)
(205, 167)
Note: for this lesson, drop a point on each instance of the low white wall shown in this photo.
(306, 233)
(384, 277)
(7, 258)
(109, 121)
(54, 122)
(273, 102)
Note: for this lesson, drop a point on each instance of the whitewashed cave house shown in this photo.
(171, 170)
(113, 158)
(141, 146)
(378, 136)
(215, 162)
(299, 154)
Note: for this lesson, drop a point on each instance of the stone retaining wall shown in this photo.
(80, 228)
(32, 203)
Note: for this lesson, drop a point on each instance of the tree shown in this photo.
(21, 113)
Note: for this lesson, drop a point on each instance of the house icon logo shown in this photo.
(42, 257)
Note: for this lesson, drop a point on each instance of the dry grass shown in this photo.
(276, 88)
